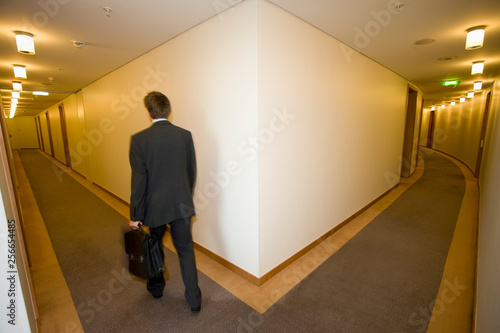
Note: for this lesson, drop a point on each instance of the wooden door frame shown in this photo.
(49, 130)
(64, 132)
(409, 134)
(430, 133)
(41, 133)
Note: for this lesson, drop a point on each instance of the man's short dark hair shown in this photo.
(157, 104)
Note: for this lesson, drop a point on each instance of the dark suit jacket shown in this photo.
(163, 165)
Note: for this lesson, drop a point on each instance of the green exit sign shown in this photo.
(451, 83)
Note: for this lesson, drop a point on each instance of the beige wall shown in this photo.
(210, 75)
(22, 132)
(293, 135)
(488, 286)
(458, 128)
(340, 147)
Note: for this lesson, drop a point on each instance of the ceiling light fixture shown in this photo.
(452, 103)
(15, 94)
(77, 43)
(470, 94)
(25, 42)
(12, 111)
(475, 37)
(425, 41)
(443, 106)
(20, 72)
(433, 108)
(478, 85)
(17, 86)
(477, 67)
(14, 101)
(40, 93)
(462, 99)
(447, 58)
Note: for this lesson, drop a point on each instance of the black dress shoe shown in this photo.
(197, 309)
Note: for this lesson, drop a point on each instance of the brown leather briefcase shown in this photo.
(134, 247)
(144, 252)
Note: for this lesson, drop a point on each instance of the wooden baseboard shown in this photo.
(260, 281)
(229, 265)
(246, 275)
(457, 159)
(111, 194)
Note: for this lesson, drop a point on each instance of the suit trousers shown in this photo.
(180, 230)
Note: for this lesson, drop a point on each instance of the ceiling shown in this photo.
(383, 30)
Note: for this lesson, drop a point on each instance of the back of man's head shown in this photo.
(157, 104)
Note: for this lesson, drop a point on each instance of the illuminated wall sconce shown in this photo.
(462, 99)
(470, 94)
(477, 67)
(475, 37)
(20, 72)
(478, 85)
(17, 86)
(15, 94)
(25, 42)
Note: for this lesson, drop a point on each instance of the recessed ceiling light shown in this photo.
(477, 67)
(77, 43)
(447, 58)
(20, 71)
(25, 42)
(424, 41)
(475, 37)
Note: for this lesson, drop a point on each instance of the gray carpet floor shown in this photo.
(378, 282)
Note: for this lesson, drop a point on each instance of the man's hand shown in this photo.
(134, 224)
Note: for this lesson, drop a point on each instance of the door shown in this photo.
(483, 135)
(50, 135)
(430, 133)
(40, 133)
(62, 116)
(408, 144)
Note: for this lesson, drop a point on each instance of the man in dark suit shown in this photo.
(163, 165)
